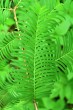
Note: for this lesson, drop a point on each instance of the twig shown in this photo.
(15, 17)
(18, 3)
(35, 105)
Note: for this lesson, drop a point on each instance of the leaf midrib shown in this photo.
(35, 51)
(64, 55)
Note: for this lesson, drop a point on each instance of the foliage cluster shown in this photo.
(36, 54)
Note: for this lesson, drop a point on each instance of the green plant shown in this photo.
(36, 54)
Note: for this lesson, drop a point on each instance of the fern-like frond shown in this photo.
(7, 44)
(64, 58)
(50, 4)
(35, 75)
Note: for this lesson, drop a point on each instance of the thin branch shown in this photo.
(18, 3)
(15, 17)
(35, 105)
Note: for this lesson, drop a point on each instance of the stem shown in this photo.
(35, 105)
(18, 3)
(15, 17)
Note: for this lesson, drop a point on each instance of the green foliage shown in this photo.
(36, 54)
